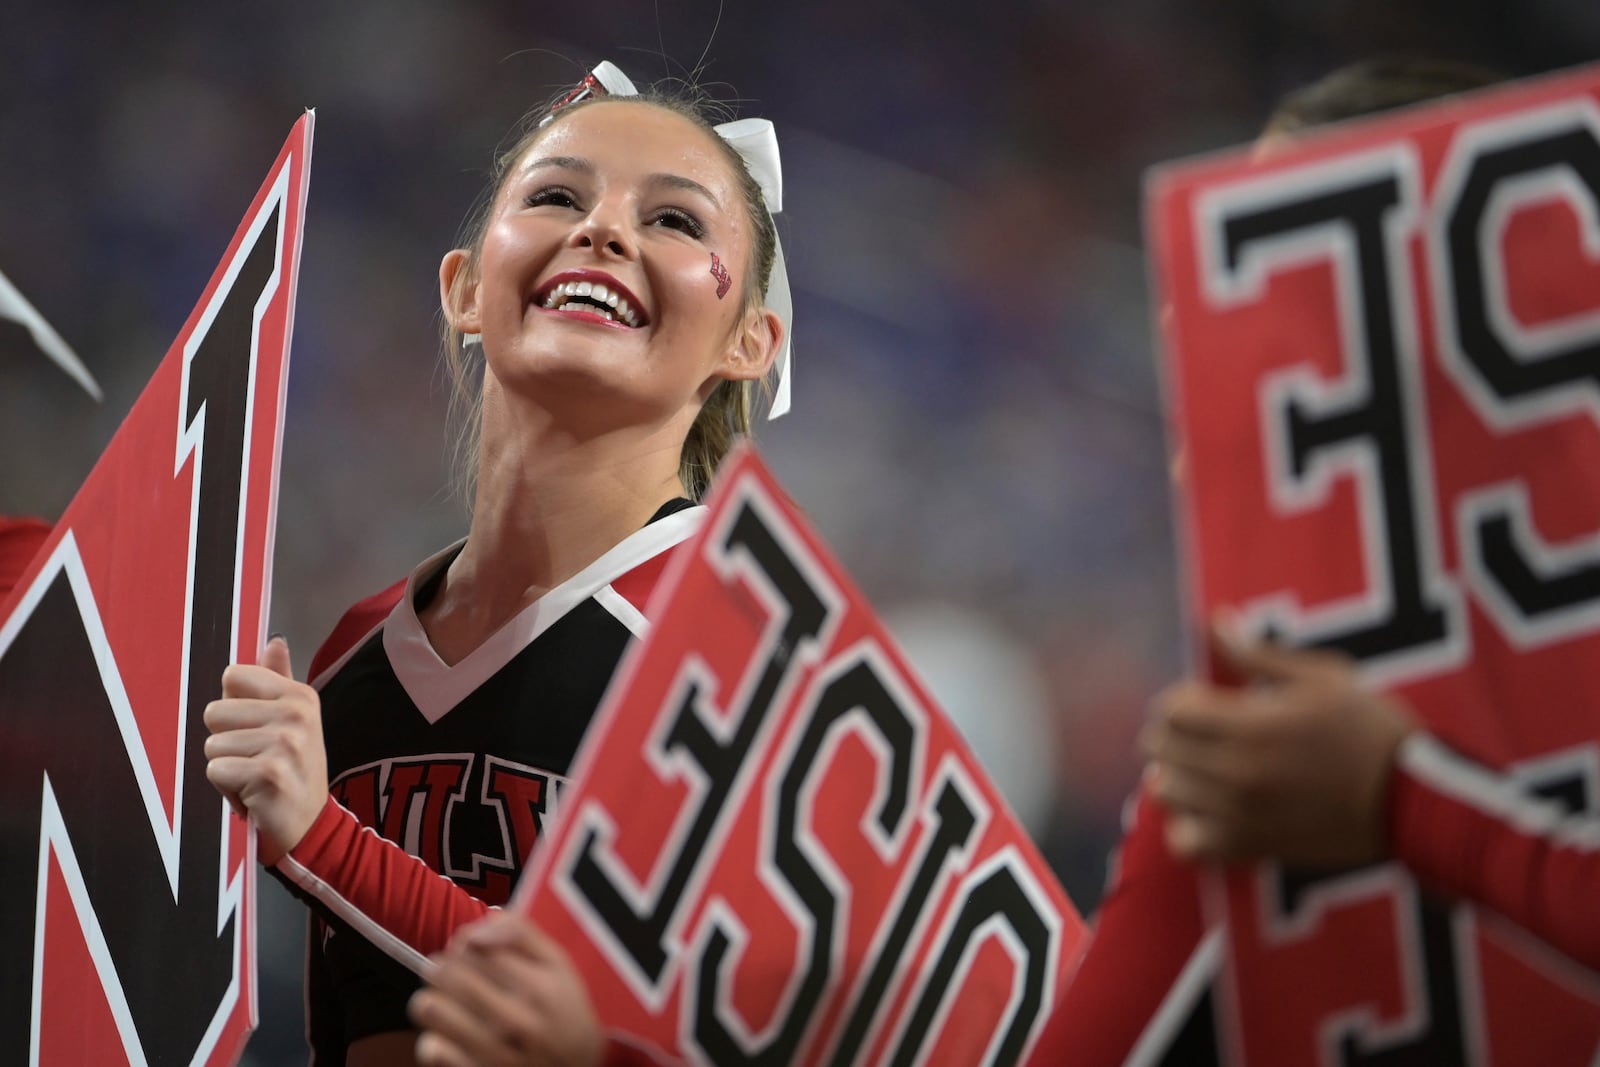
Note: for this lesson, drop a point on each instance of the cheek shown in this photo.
(719, 271)
(505, 247)
(691, 284)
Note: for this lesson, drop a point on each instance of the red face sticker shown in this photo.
(720, 273)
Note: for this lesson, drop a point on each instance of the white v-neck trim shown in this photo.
(435, 686)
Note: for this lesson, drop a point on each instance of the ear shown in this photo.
(754, 346)
(458, 294)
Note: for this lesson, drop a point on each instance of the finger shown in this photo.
(459, 1036)
(535, 981)
(496, 1011)
(275, 657)
(249, 741)
(1268, 661)
(1178, 789)
(434, 1049)
(231, 774)
(1195, 837)
(250, 681)
(1199, 754)
(1200, 710)
(511, 930)
(241, 713)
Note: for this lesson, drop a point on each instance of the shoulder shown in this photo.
(636, 586)
(640, 565)
(354, 627)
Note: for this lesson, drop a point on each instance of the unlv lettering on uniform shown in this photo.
(642, 932)
(63, 698)
(475, 818)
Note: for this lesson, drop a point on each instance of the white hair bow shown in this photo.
(757, 144)
(15, 307)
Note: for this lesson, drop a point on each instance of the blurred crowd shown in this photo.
(977, 427)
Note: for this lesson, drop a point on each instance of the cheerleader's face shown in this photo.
(595, 289)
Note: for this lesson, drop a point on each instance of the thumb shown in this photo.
(275, 657)
(1251, 660)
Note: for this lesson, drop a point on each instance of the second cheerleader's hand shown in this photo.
(1294, 766)
(505, 993)
(265, 752)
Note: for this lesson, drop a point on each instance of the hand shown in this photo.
(265, 749)
(1294, 766)
(505, 995)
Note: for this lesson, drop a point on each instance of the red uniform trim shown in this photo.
(20, 541)
(355, 625)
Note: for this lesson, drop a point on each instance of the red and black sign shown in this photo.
(776, 849)
(127, 897)
(1383, 360)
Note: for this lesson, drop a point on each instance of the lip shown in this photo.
(594, 277)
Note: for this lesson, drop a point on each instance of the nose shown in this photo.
(605, 229)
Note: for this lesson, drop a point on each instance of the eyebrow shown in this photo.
(584, 166)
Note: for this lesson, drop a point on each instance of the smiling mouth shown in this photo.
(595, 299)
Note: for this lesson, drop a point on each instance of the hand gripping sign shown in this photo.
(1383, 360)
(777, 849)
(127, 900)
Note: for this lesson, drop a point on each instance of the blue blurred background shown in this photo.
(976, 426)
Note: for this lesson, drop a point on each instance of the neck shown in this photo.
(552, 499)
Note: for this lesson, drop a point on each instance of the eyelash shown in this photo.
(676, 218)
(682, 221)
(551, 194)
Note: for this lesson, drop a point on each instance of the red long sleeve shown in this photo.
(395, 900)
(1473, 833)
(386, 894)
(1146, 954)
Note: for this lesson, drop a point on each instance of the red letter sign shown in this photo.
(127, 900)
(1384, 365)
(777, 850)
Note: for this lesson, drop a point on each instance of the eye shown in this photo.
(551, 195)
(674, 218)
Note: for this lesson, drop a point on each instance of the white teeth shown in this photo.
(622, 311)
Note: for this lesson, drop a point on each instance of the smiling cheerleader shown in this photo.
(401, 791)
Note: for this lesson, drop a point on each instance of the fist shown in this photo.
(265, 751)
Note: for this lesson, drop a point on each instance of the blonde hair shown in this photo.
(727, 413)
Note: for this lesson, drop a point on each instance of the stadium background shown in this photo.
(977, 427)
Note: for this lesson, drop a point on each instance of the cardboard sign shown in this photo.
(1383, 360)
(127, 901)
(776, 846)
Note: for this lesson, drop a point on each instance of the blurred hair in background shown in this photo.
(977, 421)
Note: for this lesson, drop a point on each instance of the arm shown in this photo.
(378, 889)
(1472, 833)
(1315, 771)
(266, 755)
(1137, 984)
